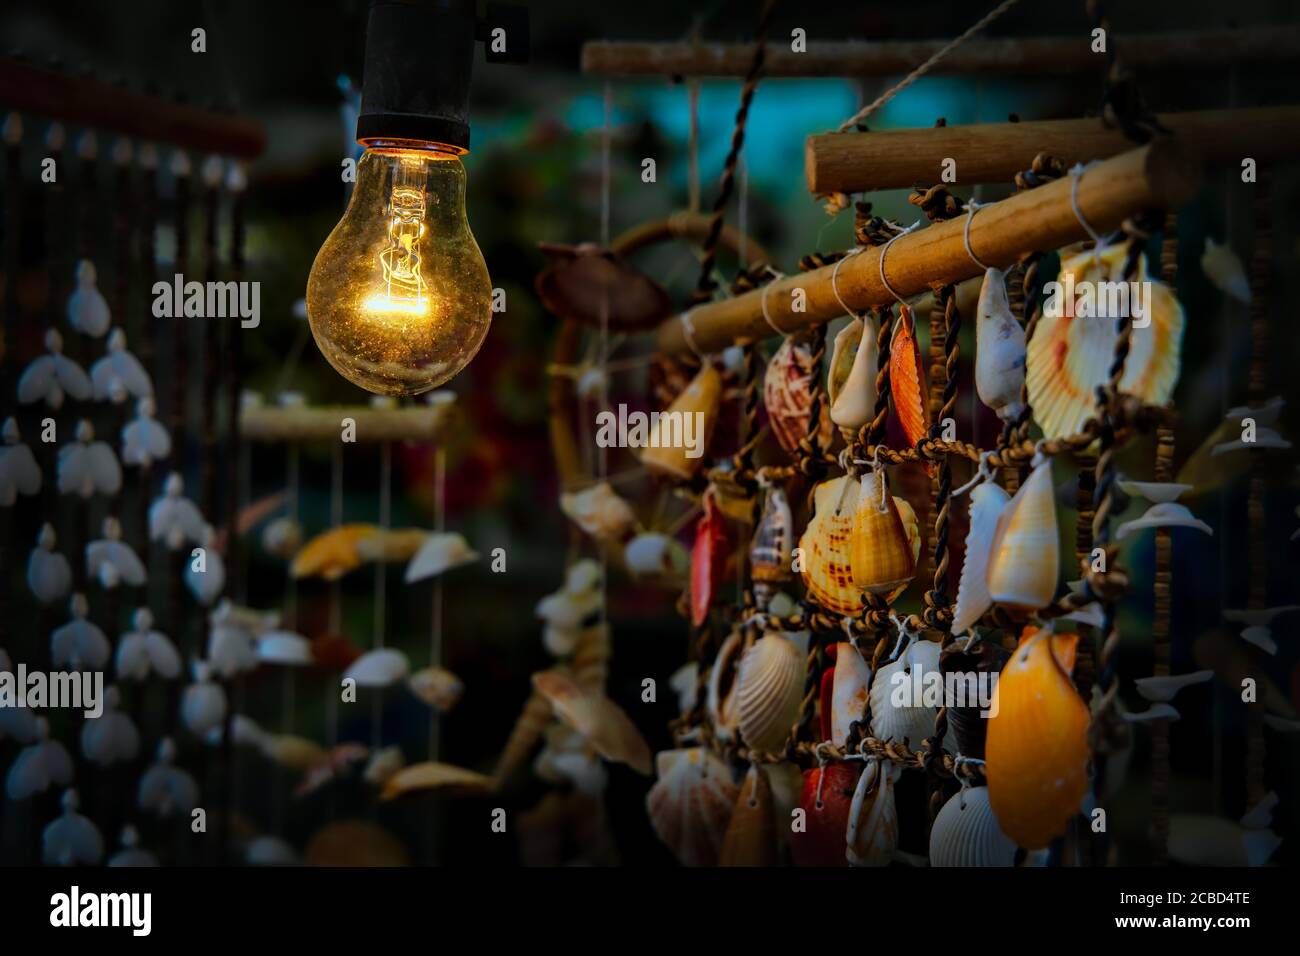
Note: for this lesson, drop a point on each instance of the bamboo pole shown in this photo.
(997, 55)
(1156, 176)
(415, 423)
(995, 152)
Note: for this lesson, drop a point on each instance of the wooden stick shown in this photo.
(995, 152)
(416, 423)
(1156, 176)
(998, 55)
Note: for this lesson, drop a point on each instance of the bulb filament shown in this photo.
(400, 262)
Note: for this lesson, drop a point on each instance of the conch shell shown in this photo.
(987, 501)
(769, 689)
(751, 835)
(907, 382)
(851, 379)
(1023, 564)
(1070, 355)
(881, 556)
(787, 394)
(966, 833)
(690, 804)
(999, 349)
(600, 512)
(872, 834)
(667, 452)
(1036, 754)
(770, 549)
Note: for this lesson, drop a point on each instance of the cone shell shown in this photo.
(1069, 355)
(987, 502)
(1024, 561)
(881, 555)
(907, 383)
(1036, 754)
(826, 805)
(690, 804)
(787, 394)
(851, 379)
(825, 544)
(703, 394)
(966, 833)
(852, 677)
(769, 690)
(872, 833)
(751, 835)
(770, 550)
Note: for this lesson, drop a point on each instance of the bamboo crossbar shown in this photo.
(414, 423)
(1160, 175)
(999, 55)
(995, 152)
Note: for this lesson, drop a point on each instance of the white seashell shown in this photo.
(583, 576)
(87, 309)
(19, 473)
(913, 723)
(849, 689)
(112, 736)
(112, 560)
(656, 555)
(42, 764)
(144, 440)
(441, 551)
(1259, 616)
(283, 647)
(282, 538)
(1024, 561)
(1166, 514)
(255, 622)
(682, 682)
(231, 650)
(567, 612)
(1261, 636)
(270, 851)
(51, 377)
(986, 503)
(144, 650)
(853, 403)
(690, 804)
(173, 518)
(1223, 267)
(599, 511)
(872, 833)
(720, 702)
(379, 668)
(1265, 416)
(167, 790)
(769, 690)
(71, 840)
(206, 585)
(131, 855)
(1203, 840)
(437, 687)
(560, 641)
(966, 833)
(203, 705)
(1264, 438)
(119, 366)
(1156, 492)
(79, 644)
(1163, 689)
(48, 573)
(87, 467)
(999, 349)
(1153, 713)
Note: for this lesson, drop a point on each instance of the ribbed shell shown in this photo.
(966, 833)
(827, 572)
(914, 723)
(1036, 753)
(881, 555)
(703, 394)
(690, 804)
(769, 551)
(907, 381)
(986, 504)
(1026, 552)
(787, 393)
(769, 689)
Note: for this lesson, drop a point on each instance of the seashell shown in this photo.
(682, 682)
(851, 379)
(167, 790)
(390, 546)
(20, 723)
(439, 551)
(881, 557)
(566, 611)
(787, 394)
(1152, 713)
(558, 641)
(597, 287)
(19, 473)
(597, 718)
(999, 350)
(379, 668)
(690, 804)
(654, 555)
(173, 518)
(331, 554)
(270, 851)
(1037, 780)
(691, 415)
(48, 574)
(1202, 840)
(131, 855)
(827, 801)
(112, 736)
(907, 381)
(119, 368)
(1234, 664)
(770, 549)
(383, 764)
(968, 722)
(432, 776)
(825, 543)
(231, 650)
(1167, 514)
(290, 751)
(769, 690)
(1223, 267)
(72, 839)
(721, 701)
(1263, 438)
(437, 687)
(786, 782)
(87, 467)
(333, 764)
(987, 502)
(53, 376)
(144, 440)
(203, 705)
(205, 580)
(144, 651)
(113, 561)
(567, 758)
(283, 647)
(1166, 688)
(80, 644)
(750, 839)
(852, 677)
(282, 537)
(965, 833)
(708, 558)
(42, 764)
(582, 577)
(892, 717)
(1259, 625)
(590, 660)
(1024, 561)
(872, 833)
(87, 309)
(536, 716)
(599, 512)
(1068, 359)
(1156, 492)
(1264, 416)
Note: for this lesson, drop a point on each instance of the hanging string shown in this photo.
(762, 301)
(971, 208)
(435, 639)
(693, 149)
(880, 262)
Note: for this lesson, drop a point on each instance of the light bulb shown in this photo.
(399, 298)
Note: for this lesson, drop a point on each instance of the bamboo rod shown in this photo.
(995, 152)
(998, 55)
(415, 423)
(1156, 176)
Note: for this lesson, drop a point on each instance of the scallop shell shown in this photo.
(787, 394)
(872, 833)
(999, 349)
(667, 454)
(966, 833)
(1068, 358)
(600, 512)
(849, 689)
(601, 721)
(825, 545)
(770, 549)
(1036, 754)
(907, 382)
(690, 804)
(769, 690)
(986, 504)
(721, 701)
(750, 839)
(851, 381)
(913, 723)
(1023, 563)
(881, 555)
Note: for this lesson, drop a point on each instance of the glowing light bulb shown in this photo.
(399, 297)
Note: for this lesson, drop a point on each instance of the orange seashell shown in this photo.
(1036, 752)
(1023, 563)
(597, 718)
(333, 553)
(668, 452)
(907, 381)
(751, 834)
(880, 552)
(826, 570)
